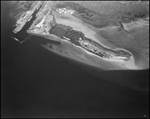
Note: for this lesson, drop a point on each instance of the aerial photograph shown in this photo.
(75, 59)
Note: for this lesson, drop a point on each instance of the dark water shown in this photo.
(37, 83)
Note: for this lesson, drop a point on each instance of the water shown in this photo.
(37, 83)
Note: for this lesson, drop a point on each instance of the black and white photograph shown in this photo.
(75, 59)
